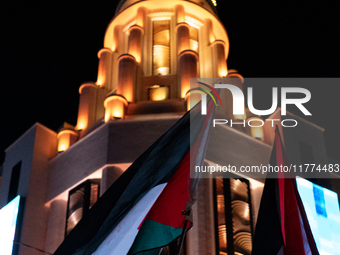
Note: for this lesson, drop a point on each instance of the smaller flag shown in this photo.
(164, 222)
(282, 226)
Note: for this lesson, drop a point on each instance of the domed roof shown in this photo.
(207, 4)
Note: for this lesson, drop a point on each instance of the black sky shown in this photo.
(49, 48)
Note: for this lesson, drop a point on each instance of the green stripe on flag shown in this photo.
(151, 252)
(153, 234)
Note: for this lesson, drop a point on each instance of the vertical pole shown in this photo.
(187, 213)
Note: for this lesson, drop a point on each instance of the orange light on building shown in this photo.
(87, 101)
(82, 123)
(180, 13)
(192, 98)
(136, 54)
(193, 45)
(209, 30)
(141, 16)
(116, 32)
(223, 72)
(183, 37)
(256, 127)
(158, 93)
(115, 107)
(219, 55)
(104, 67)
(161, 47)
(66, 137)
(135, 42)
(193, 32)
(240, 116)
(187, 69)
(127, 76)
(162, 70)
(100, 80)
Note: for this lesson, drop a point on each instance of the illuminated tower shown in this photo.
(151, 50)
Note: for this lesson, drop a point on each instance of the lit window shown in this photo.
(161, 47)
(256, 127)
(80, 201)
(158, 93)
(234, 220)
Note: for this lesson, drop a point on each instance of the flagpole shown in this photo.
(187, 213)
(199, 151)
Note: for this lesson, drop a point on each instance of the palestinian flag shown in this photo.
(165, 222)
(282, 226)
(142, 209)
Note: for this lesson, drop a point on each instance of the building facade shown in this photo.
(151, 51)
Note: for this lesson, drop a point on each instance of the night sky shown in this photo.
(49, 49)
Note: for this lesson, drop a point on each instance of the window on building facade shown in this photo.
(14, 184)
(158, 92)
(161, 47)
(80, 201)
(233, 219)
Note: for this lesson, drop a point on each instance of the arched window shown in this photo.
(161, 47)
(233, 218)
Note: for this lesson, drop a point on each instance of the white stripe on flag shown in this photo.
(123, 235)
